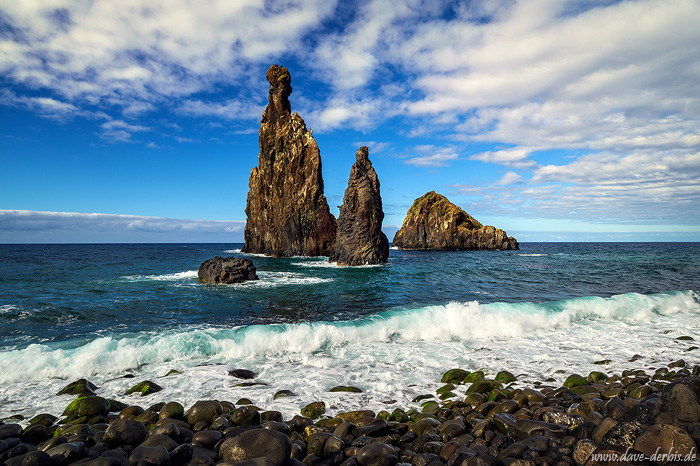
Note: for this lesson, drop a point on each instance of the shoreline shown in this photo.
(470, 420)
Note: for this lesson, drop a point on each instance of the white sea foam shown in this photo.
(232, 251)
(393, 355)
(324, 263)
(187, 275)
(270, 279)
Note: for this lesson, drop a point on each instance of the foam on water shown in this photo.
(377, 353)
(232, 251)
(324, 263)
(186, 275)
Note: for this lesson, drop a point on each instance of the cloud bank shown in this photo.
(25, 226)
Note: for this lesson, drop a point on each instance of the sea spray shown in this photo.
(379, 353)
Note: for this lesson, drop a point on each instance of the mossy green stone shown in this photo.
(575, 380)
(454, 376)
(173, 372)
(430, 407)
(603, 362)
(144, 388)
(475, 377)
(349, 389)
(413, 414)
(505, 377)
(483, 386)
(641, 392)
(384, 415)
(172, 410)
(685, 338)
(399, 415)
(314, 410)
(447, 395)
(596, 376)
(583, 390)
(421, 398)
(82, 387)
(475, 399)
(70, 430)
(45, 420)
(445, 388)
(88, 406)
(244, 402)
(496, 395)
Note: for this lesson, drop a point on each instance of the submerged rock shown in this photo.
(226, 270)
(360, 240)
(433, 222)
(286, 212)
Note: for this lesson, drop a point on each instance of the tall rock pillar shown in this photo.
(360, 239)
(286, 212)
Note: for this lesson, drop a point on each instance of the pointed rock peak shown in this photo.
(280, 90)
(362, 154)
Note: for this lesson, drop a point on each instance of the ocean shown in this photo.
(106, 311)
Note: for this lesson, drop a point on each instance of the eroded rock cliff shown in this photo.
(360, 240)
(433, 222)
(286, 212)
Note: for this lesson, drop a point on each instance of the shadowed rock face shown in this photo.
(360, 239)
(287, 213)
(433, 222)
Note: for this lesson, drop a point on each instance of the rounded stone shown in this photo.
(257, 443)
(204, 411)
(152, 456)
(665, 439)
(369, 453)
(125, 432)
(172, 410)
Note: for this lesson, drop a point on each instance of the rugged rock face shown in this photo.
(287, 213)
(226, 270)
(360, 240)
(433, 222)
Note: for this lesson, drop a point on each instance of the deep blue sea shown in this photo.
(105, 311)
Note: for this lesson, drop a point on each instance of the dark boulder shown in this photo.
(286, 211)
(257, 443)
(226, 270)
(433, 222)
(125, 432)
(360, 240)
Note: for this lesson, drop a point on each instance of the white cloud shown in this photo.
(515, 156)
(32, 226)
(130, 52)
(509, 178)
(432, 156)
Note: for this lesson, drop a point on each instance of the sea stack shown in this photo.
(433, 222)
(286, 212)
(360, 240)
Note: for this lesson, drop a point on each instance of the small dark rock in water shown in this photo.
(226, 270)
(282, 393)
(242, 374)
(80, 387)
(314, 410)
(342, 388)
(144, 388)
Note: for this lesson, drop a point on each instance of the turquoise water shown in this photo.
(103, 311)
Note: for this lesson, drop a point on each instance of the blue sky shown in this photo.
(554, 120)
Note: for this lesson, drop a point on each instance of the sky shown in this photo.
(137, 120)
